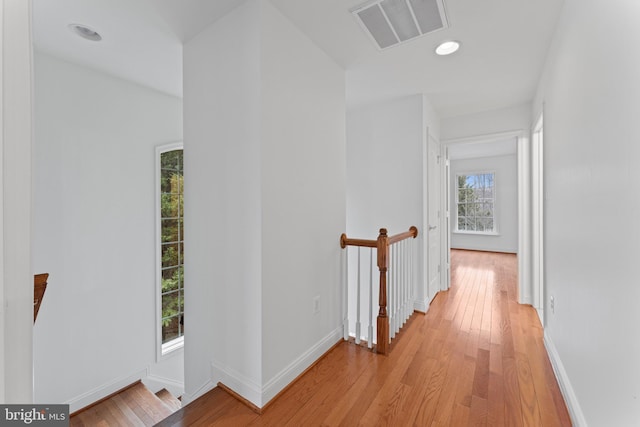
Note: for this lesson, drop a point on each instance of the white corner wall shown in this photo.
(223, 207)
(590, 92)
(506, 205)
(16, 278)
(303, 200)
(94, 230)
(385, 170)
(265, 145)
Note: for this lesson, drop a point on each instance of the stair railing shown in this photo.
(395, 262)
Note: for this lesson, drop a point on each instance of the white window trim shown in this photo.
(162, 350)
(496, 230)
(482, 233)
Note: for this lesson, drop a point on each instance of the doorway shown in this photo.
(497, 221)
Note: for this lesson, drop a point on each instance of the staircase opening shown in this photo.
(134, 405)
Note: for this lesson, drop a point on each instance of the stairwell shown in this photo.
(135, 405)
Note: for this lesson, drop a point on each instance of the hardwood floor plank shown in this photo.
(495, 402)
(495, 359)
(481, 375)
(542, 391)
(561, 408)
(347, 401)
(460, 416)
(411, 404)
(513, 410)
(478, 412)
(464, 389)
(127, 412)
(379, 408)
(328, 395)
(429, 403)
(528, 399)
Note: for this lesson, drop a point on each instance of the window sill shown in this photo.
(172, 346)
(477, 233)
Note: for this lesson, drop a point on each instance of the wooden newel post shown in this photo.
(382, 345)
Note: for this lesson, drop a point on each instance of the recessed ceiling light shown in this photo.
(85, 32)
(448, 47)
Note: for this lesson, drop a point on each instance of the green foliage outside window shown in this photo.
(475, 199)
(172, 241)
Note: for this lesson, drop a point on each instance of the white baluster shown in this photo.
(393, 295)
(398, 274)
(399, 280)
(412, 282)
(345, 281)
(402, 284)
(358, 302)
(394, 275)
(370, 329)
(406, 282)
(398, 290)
(409, 282)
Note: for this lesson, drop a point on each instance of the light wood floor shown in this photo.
(476, 358)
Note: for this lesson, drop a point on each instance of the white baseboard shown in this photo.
(156, 383)
(100, 392)
(298, 366)
(260, 396)
(204, 388)
(540, 315)
(237, 382)
(577, 417)
(421, 305)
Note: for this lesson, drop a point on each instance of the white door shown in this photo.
(433, 217)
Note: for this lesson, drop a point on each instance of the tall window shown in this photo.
(475, 199)
(171, 246)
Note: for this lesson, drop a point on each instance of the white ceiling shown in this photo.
(504, 43)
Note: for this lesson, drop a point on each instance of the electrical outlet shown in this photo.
(316, 304)
(552, 304)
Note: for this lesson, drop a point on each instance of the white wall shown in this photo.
(385, 166)
(515, 118)
(94, 231)
(591, 95)
(265, 137)
(506, 204)
(303, 197)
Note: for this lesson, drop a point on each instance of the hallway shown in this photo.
(476, 358)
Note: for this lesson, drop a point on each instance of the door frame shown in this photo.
(425, 217)
(445, 235)
(537, 217)
(523, 145)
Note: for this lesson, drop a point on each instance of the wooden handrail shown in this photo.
(413, 232)
(382, 245)
(345, 241)
(39, 286)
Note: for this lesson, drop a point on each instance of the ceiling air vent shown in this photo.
(391, 22)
